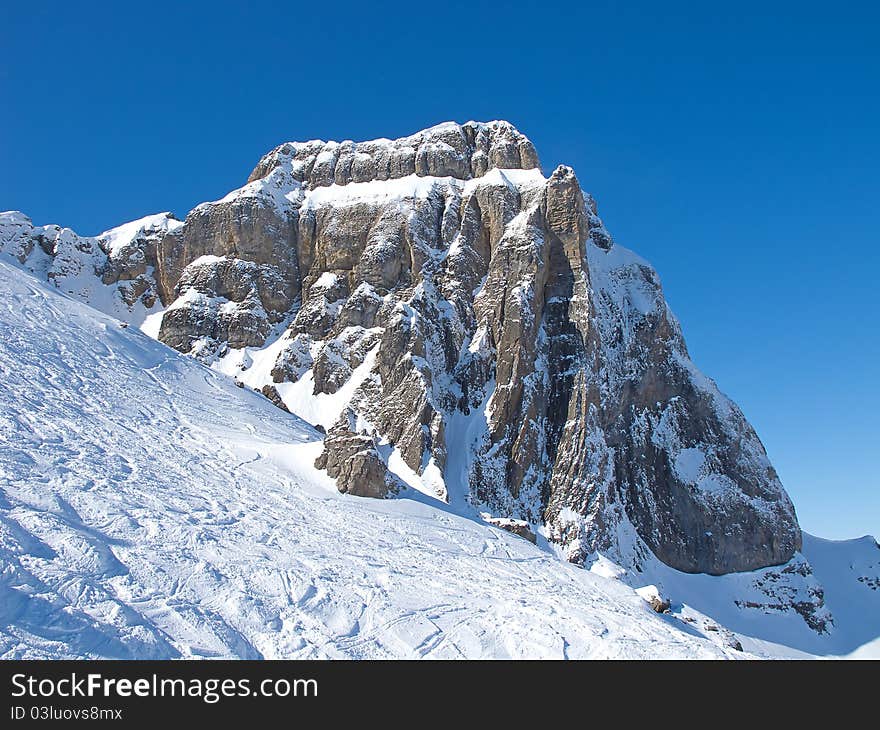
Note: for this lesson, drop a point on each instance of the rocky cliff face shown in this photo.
(462, 325)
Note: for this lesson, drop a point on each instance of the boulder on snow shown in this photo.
(658, 602)
(271, 392)
(352, 459)
(520, 528)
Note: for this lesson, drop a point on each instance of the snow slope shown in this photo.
(149, 508)
(761, 607)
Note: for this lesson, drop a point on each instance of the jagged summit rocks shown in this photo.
(463, 325)
(462, 151)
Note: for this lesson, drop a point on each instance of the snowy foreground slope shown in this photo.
(150, 508)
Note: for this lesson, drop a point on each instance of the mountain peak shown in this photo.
(490, 345)
(449, 149)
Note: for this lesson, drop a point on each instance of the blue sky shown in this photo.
(734, 147)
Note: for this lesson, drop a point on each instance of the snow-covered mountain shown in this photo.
(152, 509)
(446, 328)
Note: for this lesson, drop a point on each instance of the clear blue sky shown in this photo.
(736, 147)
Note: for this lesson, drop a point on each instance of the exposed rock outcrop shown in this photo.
(271, 392)
(226, 300)
(114, 271)
(520, 528)
(447, 150)
(353, 460)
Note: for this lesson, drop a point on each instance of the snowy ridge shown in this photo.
(110, 271)
(821, 603)
(117, 238)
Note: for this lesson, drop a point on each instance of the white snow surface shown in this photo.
(116, 238)
(281, 189)
(846, 571)
(149, 508)
(324, 409)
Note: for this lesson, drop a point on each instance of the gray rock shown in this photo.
(246, 228)
(352, 459)
(294, 360)
(459, 151)
(271, 392)
(661, 605)
(520, 528)
(225, 300)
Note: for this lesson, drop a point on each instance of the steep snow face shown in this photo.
(117, 239)
(849, 573)
(151, 509)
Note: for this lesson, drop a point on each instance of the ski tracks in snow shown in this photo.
(149, 508)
